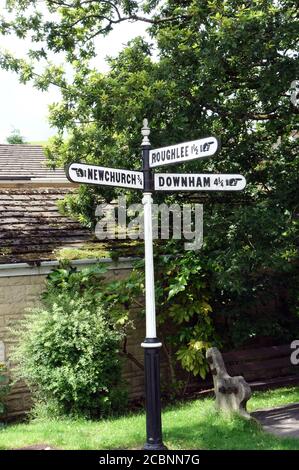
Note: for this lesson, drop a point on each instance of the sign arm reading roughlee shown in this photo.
(184, 152)
(98, 175)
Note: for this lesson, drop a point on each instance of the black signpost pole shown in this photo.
(151, 343)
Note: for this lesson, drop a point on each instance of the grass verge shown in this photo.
(192, 425)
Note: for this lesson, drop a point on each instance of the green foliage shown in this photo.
(71, 281)
(15, 138)
(68, 349)
(90, 283)
(183, 298)
(183, 310)
(4, 387)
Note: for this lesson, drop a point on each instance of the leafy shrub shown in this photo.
(184, 311)
(68, 354)
(184, 301)
(114, 296)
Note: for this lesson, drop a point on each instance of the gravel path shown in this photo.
(283, 421)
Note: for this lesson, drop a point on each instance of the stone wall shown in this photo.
(18, 292)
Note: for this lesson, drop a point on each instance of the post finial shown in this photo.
(145, 131)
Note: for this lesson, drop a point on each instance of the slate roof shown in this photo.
(25, 162)
(31, 226)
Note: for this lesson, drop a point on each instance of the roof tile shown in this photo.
(30, 235)
(27, 161)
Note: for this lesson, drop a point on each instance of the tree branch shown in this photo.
(85, 122)
(86, 2)
(119, 19)
(245, 115)
(261, 116)
(131, 17)
(130, 356)
(169, 359)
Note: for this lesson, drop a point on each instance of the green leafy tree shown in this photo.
(220, 67)
(15, 138)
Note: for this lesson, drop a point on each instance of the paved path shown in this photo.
(283, 421)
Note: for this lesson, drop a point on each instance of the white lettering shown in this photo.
(295, 354)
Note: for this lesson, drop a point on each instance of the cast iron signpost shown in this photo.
(147, 182)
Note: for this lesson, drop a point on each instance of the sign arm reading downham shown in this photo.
(198, 182)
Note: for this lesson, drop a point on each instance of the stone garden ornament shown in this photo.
(232, 393)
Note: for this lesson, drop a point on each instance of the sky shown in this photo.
(25, 108)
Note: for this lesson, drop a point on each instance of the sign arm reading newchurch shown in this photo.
(99, 175)
(180, 153)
